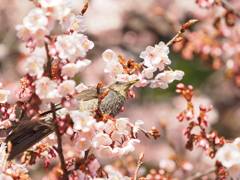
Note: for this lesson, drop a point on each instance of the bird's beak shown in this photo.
(133, 81)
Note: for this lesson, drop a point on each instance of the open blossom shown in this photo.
(228, 155)
(109, 126)
(35, 19)
(53, 97)
(121, 123)
(82, 120)
(128, 146)
(67, 87)
(44, 85)
(93, 166)
(101, 139)
(82, 64)
(34, 66)
(77, 24)
(136, 127)
(156, 56)
(4, 95)
(70, 69)
(163, 79)
(148, 72)
(72, 46)
(23, 32)
(106, 151)
(83, 144)
(109, 55)
(113, 68)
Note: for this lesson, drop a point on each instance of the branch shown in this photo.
(56, 128)
(138, 165)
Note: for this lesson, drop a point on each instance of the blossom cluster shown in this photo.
(229, 156)
(155, 59)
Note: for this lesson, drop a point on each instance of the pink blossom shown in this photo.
(121, 123)
(106, 151)
(67, 87)
(70, 69)
(128, 146)
(72, 46)
(82, 144)
(228, 155)
(77, 24)
(234, 171)
(87, 44)
(53, 97)
(118, 135)
(163, 79)
(156, 56)
(148, 72)
(34, 66)
(81, 65)
(113, 68)
(35, 19)
(4, 95)
(101, 139)
(109, 55)
(109, 126)
(93, 167)
(136, 127)
(44, 86)
(82, 120)
(23, 32)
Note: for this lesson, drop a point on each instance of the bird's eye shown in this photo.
(117, 82)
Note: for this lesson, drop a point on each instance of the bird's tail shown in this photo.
(26, 134)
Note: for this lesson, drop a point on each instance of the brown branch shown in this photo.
(59, 141)
(56, 127)
(201, 174)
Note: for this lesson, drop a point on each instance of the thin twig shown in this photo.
(201, 174)
(172, 40)
(138, 165)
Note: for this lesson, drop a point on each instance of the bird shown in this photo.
(28, 133)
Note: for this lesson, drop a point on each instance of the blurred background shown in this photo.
(209, 56)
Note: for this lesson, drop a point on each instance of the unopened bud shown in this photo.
(189, 23)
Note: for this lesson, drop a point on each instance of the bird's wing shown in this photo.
(85, 95)
(89, 94)
(25, 135)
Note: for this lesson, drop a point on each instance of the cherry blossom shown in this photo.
(163, 79)
(82, 120)
(34, 66)
(109, 55)
(101, 139)
(156, 56)
(36, 19)
(66, 87)
(77, 24)
(81, 65)
(70, 69)
(44, 86)
(228, 155)
(4, 95)
(113, 68)
(93, 167)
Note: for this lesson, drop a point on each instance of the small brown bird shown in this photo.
(28, 133)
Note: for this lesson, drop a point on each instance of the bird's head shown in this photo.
(121, 86)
